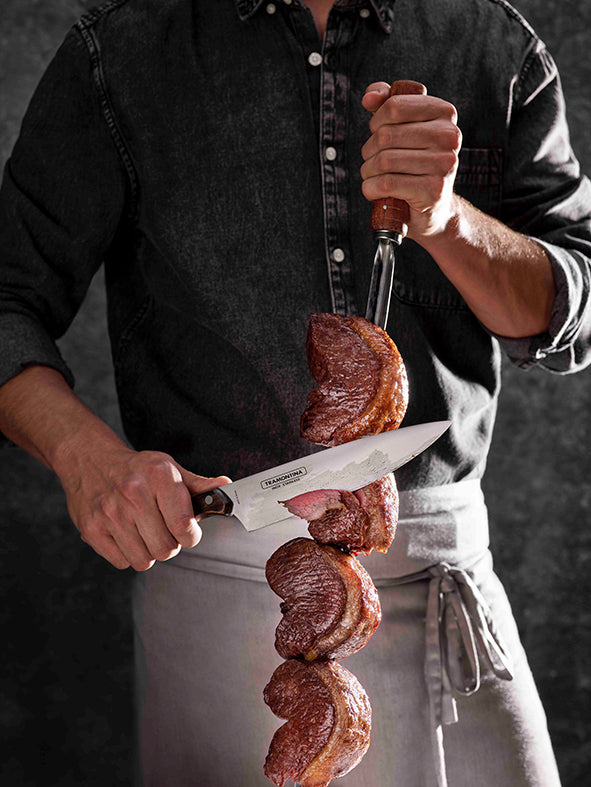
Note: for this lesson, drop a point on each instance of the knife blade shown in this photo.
(255, 500)
(389, 225)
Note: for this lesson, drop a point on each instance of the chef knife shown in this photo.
(255, 500)
(389, 225)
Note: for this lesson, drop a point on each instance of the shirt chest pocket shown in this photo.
(417, 278)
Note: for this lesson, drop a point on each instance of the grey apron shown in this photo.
(453, 699)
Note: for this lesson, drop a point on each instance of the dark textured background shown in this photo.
(65, 676)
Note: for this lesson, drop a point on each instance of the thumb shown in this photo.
(198, 483)
(375, 95)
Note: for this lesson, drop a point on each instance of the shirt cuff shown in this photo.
(555, 349)
(25, 342)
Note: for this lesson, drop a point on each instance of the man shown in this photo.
(224, 196)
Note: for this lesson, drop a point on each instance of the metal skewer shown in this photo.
(380, 287)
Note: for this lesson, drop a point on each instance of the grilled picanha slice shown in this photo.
(354, 521)
(330, 605)
(328, 727)
(361, 378)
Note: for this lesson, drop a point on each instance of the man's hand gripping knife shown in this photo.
(132, 507)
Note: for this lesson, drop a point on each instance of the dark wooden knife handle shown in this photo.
(389, 213)
(212, 502)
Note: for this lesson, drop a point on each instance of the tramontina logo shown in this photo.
(284, 478)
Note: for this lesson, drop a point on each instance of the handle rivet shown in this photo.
(209, 500)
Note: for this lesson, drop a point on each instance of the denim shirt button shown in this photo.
(363, 12)
(314, 58)
(271, 8)
(330, 153)
(287, 2)
(338, 255)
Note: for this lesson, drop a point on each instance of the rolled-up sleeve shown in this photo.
(64, 193)
(546, 197)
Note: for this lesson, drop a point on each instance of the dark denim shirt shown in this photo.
(207, 152)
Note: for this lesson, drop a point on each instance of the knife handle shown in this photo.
(391, 215)
(211, 503)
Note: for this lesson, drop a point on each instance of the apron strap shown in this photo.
(459, 632)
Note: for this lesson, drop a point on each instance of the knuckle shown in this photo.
(90, 528)
(163, 468)
(87, 534)
(379, 162)
(110, 509)
(386, 183)
(383, 136)
(393, 109)
(450, 111)
(455, 138)
(448, 162)
(154, 459)
(132, 484)
(187, 531)
(162, 464)
(183, 526)
(386, 161)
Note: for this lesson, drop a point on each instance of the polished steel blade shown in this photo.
(257, 498)
(380, 288)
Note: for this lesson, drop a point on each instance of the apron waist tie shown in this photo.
(459, 627)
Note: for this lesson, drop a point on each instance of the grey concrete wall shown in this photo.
(65, 679)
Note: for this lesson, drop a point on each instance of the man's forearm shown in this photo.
(40, 413)
(504, 277)
(413, 154)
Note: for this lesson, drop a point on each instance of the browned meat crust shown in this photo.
(328, 727)
(354, 521)
(381, 502)
(330, 608)
(362, 383)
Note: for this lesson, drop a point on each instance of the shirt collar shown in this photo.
(383, 8)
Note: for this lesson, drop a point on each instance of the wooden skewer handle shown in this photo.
(389, 213)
